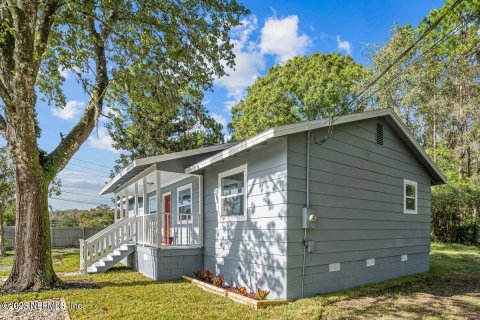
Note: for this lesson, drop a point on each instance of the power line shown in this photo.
(86, 195)
(423, 55)
(374, 81)
(85, 167)
(93, 163)
(77, 201)
(92, 174)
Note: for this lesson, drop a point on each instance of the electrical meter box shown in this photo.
(309, 218)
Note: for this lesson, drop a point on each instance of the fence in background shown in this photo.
(62, 237)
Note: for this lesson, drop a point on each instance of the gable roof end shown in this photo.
(264, 137)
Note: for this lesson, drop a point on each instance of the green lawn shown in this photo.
(450, 290)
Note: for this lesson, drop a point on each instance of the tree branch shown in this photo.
(80, 132)
(44, 29)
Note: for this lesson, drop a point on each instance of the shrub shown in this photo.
(262, 294)
(241, 290)
(455, 209)
(204, 275)
(218, 281)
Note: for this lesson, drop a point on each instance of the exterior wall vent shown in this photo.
(334, 267)
(379, 134)
(404, 257)
(370, 262)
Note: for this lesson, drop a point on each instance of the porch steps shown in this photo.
(112, 258)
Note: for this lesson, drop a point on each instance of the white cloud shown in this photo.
(101, 140)
(66, 72)
(344, 46)
(69, 111)
(248, 62)
(280, 37)
(220, 119)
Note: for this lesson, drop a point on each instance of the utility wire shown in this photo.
(374, 81)
(77, 201)
(86, 195)
(85, 167)
(93, 163)
(423, 55)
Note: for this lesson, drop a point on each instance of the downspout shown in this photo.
(308, 206)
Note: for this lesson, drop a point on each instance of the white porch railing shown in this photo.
(106, 241)
(180, 229)
(147, 229)
(175, 229)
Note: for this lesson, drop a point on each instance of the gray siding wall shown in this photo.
(165, 264)
(357, 189)
(251, 253)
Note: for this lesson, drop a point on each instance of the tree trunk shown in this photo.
(32, 267)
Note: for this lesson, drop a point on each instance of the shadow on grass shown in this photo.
(450, 289)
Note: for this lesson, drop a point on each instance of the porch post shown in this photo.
(200, 210)
(145, 206)
(121, 206)
(159, 206)
(136, 199)
(126, 203)
(115, 206)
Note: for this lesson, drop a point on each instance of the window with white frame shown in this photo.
(152, 205)
(410, 199)
(184, 202)
(232, 193)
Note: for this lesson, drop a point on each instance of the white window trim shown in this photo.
(185, 187)
(150, 198)
(414, 183)
(242, 168)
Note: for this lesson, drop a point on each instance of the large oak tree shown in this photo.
(305, 88)
(107, 45)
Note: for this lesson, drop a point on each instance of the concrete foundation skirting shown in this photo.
(165, 263)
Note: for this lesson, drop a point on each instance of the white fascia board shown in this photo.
(117, 177)
(262, 137)
(414, 142)
(164, 157)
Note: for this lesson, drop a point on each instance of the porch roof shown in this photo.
(172, 162)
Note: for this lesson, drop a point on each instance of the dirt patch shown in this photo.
(448, 297)
(66, 285)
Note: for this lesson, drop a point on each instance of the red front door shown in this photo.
(167, 209)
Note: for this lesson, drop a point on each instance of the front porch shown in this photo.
(158, 227)
(170, 215)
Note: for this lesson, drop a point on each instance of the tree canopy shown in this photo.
(122, 52)
(305, 88)
(436, 91)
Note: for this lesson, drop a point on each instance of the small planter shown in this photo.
(254, 303)
(207, 286)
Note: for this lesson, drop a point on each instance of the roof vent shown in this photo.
(379, 135)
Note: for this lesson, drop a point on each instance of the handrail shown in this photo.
(106, 241)
(109, 228)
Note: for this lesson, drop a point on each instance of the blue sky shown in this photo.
(274, 32)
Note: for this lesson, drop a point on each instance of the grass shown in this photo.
(450, 290)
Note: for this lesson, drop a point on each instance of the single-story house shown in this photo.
(286, 210)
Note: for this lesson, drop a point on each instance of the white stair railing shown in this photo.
(106, 241)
